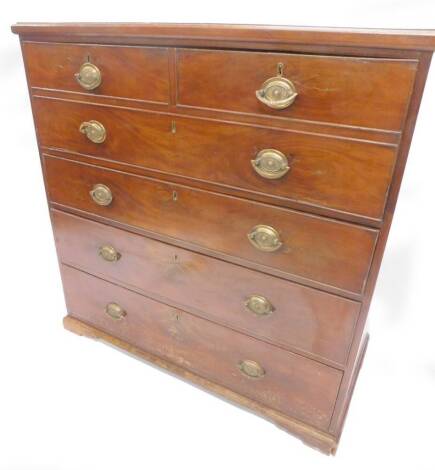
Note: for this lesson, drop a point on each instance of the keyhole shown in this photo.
(174, 195)
(173, 127)
(280, 69)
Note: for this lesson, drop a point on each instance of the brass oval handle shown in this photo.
(252, 369)
(94, 131)
(265, 238)
(271, 164)
(115, 311)
(259, 305)
(88, 76)
(109, 253)
(277, 92)
(101, 195)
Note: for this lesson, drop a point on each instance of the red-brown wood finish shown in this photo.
(358, 345)
(341, 90)
(305, 320)
(350, 133)
(292, 384)
(325, 251)
(140, 73)
(177, 158)
(349, 177)
(251, 36)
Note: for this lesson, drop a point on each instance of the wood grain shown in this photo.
(351, 133)
(347, 135)
(346, 390)
(305, 320)
(139, 73)
(228, 35)
(328, 252)
(330, 89)
(293, 385)
(320, 440)
(346, 177)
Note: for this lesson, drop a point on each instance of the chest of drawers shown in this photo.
(221, 197)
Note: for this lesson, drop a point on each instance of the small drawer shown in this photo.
(352, 91)
(284, 381)
(286, 243)
(336, 174)
(289, 315)
(139, 73)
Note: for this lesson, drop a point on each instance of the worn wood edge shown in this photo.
(311, 436)
(423, 39)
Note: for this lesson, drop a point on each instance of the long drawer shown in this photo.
(139, 73)
(357, 91)
(287, 382)
(287, 243)
(286, 314)
(337, 174)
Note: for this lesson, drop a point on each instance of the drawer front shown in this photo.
(302, 246)
(291, 384)
(291, 315)
(139, 73)
(340, 90)
(334, 173)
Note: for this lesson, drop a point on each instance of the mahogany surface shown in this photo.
(344, 176)
(183, 124)
(310, 435)
(206, 34)
(341, 90)
(313, 322)
(322, 250)
(124, 70)
(292, 384)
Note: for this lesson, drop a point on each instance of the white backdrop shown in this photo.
(68, 403)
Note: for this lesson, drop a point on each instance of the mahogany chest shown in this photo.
(221, 197)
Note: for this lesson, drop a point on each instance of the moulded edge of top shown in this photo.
(420, 39)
